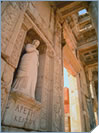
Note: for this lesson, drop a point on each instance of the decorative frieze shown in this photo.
(6, 81)
(17, 48)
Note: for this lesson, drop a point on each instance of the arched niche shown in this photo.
(30, 36)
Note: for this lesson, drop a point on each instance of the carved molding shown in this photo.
(49, 52)
(15, 55)
(7, 53)
(70, 61)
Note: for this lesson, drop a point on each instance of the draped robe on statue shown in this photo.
(26, 77)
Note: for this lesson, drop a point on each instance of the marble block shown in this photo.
(22, 111)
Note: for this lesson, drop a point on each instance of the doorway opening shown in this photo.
(66, 102)
(71, 103)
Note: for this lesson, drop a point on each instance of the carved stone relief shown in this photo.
(11, 23)
(45, 115)
(3, 63)
(22, 111)
(6, 82)
(57, 110)
(9, 18)
(17, 48)
(44, 111)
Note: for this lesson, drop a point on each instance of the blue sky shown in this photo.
(66, 82)
(82, 11)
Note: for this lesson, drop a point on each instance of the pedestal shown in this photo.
(22, 112)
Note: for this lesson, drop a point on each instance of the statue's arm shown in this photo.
(30, 49)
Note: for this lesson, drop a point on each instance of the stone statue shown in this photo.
(26, 77)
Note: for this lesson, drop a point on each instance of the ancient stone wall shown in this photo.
(20, 111)
(58, 96)
(11, 29)
(84, 94)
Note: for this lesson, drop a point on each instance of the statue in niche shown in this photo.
(26, 77)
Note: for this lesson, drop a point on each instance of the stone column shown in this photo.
(93, 11)
(74, 105)
(96, 118)
(47, 90)
(93, 91)
(58, 89)
(91, 103)
(92, 87)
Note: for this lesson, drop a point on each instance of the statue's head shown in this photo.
(36, 43)
(30, 47)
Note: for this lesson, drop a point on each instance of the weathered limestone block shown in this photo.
(40, 77)
(17, 48)
(12, 18)
(11, 129)
(4, 6)
(46, 98)
(41, 17)
(43, 120)
(7, 77)
(58, 38)
(27, 23)
(2, 66)
(6, 82)
(84, 83)
(91, 114)
(4, 99)
(43, 9)
(86, 121)
(58, 30)
(8, 22)
(22, 111)
(58, 103)
(45, 95)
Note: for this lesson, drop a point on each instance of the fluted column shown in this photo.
(93, 11)
(75, 115)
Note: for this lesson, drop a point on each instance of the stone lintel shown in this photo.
(87, 45)
(48, 42)
(69, 37)
(75, 7)
(71, 59)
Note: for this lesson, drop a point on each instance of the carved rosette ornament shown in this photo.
(50, 52)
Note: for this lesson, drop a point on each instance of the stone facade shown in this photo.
(31, 17)
(21, 23)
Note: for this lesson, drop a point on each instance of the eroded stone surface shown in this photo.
(22, 111)
(6, 82)
(23, 22)
(2, 66)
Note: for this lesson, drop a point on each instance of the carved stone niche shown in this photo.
(23, 111)
(32, 35)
